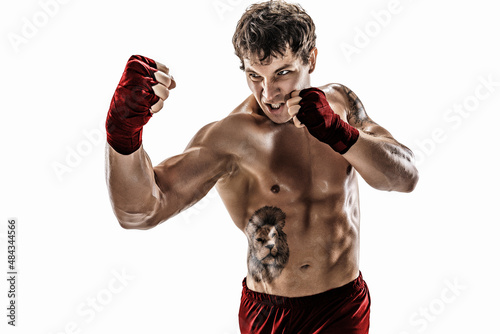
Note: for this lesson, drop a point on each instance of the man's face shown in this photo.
(272, 82)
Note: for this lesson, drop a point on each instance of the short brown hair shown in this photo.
(267, 29)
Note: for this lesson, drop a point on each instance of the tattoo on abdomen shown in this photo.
(267, 245)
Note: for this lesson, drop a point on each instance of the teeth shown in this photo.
(275, 106)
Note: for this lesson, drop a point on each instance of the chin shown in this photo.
(279, 117)
(279, 120)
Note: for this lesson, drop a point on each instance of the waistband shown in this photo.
(340, 292)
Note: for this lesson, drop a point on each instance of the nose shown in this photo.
(270, 246)
(269, 90)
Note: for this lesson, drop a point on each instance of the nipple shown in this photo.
(275, 189)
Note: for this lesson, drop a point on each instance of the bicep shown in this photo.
(357, 116)
(186, 178)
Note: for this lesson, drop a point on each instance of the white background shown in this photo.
(410, 70)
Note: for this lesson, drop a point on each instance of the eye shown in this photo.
(273, 235)
(260, 240)
(284, 72)
(254, 77)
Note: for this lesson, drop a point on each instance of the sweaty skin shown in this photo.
(263, 162)
(318, 192)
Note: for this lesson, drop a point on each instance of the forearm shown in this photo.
(383, 163)
(132, 188)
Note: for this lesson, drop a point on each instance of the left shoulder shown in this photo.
(339, 94)
(348, 103)
(334, 90)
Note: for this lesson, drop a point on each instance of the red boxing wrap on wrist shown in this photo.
(323, 123)
(130, 107)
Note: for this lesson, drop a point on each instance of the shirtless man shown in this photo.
(285, 164)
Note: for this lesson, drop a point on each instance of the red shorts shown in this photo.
(343, 310)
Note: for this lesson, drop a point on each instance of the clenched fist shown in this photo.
(310, 108)
(143, 87)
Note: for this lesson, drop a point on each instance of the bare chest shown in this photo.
(284, 167)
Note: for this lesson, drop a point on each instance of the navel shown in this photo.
(275, 189)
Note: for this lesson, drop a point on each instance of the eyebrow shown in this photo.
(277, 70)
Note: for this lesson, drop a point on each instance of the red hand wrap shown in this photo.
(130, 107)
(323, 123)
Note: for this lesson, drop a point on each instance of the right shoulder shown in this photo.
(227, 134)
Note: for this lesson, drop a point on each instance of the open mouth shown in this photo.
(274, 107)
(268, 259)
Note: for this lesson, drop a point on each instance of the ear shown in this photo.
(281, 224)
(312, 59)
(250, 228)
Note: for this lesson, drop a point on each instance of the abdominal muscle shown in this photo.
(323, 254)
(298, 201)
(303, 238)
